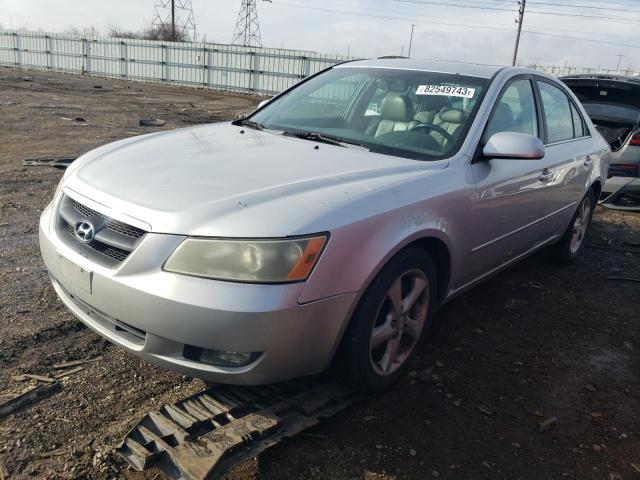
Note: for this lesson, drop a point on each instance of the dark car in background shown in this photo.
(613, 103)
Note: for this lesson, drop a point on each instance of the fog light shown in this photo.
(219, 358)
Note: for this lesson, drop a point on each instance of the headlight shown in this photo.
(259, 261)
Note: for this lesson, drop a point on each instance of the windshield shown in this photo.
(414, 114)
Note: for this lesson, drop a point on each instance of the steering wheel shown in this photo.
(434, 128)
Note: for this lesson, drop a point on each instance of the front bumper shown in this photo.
(155, 314)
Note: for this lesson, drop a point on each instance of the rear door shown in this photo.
(569, 159)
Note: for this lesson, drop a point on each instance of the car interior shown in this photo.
(382, 110)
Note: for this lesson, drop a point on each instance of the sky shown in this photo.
(370, 28)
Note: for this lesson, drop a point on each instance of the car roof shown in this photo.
(470, 69)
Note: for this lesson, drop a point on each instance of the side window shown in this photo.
(578, 123)
(515, 111)
(557, 112)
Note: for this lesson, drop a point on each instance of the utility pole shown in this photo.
(173, 20)
(522, 4)
(247, 31)
(402, 51)
(619, 62)
(411, 39)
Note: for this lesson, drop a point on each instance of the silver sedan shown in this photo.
(327, 226)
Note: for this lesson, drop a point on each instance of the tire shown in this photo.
(570, 245)
(400, 323)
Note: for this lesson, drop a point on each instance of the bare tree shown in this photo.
(118, 32)
(161, 32)
(164, 32)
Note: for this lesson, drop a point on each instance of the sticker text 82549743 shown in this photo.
(446, 90)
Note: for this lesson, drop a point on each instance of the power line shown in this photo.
(388, 17)
(430, 22)
(600, 5)
(492, 25)
(627, 21)
(457, 5)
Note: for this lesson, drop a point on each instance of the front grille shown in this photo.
(112, 224)
(113, 252)
(114, 240)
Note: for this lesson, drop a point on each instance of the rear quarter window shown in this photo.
(579, 128)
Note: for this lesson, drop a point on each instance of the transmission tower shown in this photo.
(174, 20)
(247, 31)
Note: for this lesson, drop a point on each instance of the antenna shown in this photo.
(174, 20)
(247, 31)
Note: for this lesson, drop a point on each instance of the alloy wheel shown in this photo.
(399, 322)
(580, 224)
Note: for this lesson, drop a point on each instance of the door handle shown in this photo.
(547, 175)
(588, 161)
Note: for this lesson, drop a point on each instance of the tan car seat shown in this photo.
(396, 115)
(450, 120)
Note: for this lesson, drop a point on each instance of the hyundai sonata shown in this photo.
(327, 226)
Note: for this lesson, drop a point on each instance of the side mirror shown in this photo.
(512, 145)
(263, 103)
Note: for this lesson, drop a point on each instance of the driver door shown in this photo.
(509, 204)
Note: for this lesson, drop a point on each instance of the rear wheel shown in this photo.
(390, 321)
(568, 248)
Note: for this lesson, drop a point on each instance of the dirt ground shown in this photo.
(537, 342)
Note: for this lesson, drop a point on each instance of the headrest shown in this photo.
(425, 117)
(396, 107)
(452, 115)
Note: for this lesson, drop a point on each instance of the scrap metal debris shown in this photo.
(14, 402)
(207, 434)
(151, 122)
(56, 162)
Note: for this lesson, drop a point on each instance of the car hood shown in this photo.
(223, 180)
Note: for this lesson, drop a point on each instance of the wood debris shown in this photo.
(66, 373)
(40, 378)
(74, 363)
(548, 423)
(30, 395)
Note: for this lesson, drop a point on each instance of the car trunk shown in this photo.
(612, 104)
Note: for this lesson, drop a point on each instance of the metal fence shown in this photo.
(264, 71)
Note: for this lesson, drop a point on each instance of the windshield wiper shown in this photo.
(319, 137)
(244, 122)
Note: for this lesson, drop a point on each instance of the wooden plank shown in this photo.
(74, 363)
(31, 395)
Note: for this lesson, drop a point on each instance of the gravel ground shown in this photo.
(535, 343)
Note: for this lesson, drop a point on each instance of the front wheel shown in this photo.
(568, 248)
(390, 321)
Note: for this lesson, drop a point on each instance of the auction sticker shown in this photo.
(446, 90)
